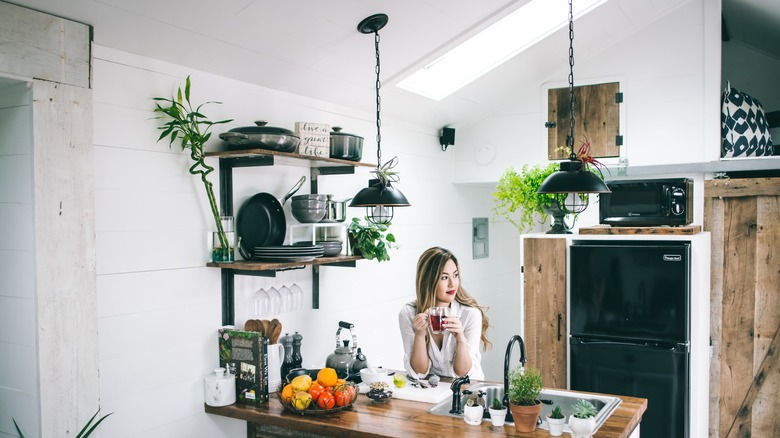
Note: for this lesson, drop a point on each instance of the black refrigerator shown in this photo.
(630, 326)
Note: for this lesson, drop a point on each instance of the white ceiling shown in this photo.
(312, 47)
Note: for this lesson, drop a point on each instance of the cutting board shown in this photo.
(424, 395)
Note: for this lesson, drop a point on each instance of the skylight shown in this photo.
(493, 46)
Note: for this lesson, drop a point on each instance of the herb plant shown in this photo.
(525, 386)
(191, 128)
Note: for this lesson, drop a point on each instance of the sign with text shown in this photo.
(315, 139)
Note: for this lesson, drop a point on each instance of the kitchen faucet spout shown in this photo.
(519, 341)
(455, 387)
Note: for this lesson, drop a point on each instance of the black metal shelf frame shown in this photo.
(226, 166)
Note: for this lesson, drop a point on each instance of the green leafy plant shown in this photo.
(385, 173)
(517, 191)
(556, 413)
(370, 240)
(85, 431)
(191, 128)
(525, 386)
(584, 409)
(497, 404)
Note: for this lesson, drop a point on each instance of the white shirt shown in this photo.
(441, 359)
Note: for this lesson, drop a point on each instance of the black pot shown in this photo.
(345, 146)
(261, 136)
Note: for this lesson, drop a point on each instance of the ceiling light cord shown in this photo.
(570, 139)
(378, 104)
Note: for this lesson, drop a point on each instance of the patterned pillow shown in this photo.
(744, 128)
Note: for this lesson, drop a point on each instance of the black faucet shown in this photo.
(519, 340)
(455, 387)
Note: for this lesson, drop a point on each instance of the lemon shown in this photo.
(399, 380)
(301, 383)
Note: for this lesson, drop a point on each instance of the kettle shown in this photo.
(348, 359)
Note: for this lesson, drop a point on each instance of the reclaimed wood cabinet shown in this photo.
(544, 299)
(743, 216)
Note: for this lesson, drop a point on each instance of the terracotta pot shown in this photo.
(525, 416)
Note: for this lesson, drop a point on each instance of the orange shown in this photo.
(287, 392)
(327, 377)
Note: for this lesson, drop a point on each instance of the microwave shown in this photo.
(647, 203)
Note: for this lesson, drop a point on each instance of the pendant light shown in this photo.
(380, 197)
(573, 182)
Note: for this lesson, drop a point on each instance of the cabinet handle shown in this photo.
(559, 327)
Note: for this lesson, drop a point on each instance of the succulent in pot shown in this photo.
(555, 421)
(583, 421)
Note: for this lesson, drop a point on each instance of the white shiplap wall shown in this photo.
(159, 306)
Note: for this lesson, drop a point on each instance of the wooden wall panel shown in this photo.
(544, 289)
(742, 216)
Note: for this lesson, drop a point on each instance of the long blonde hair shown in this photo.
(429, 269)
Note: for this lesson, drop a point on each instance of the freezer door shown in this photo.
(630, 290)
(658, 373)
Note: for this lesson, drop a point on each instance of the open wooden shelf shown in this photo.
(255, 265)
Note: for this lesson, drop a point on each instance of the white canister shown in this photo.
(220, 388)
(275, 358)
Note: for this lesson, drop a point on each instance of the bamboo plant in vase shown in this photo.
(192, 129)
(525, 388)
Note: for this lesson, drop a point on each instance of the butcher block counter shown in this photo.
(399, 418)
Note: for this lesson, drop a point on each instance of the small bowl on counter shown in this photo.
(369, 377)
(379, 392)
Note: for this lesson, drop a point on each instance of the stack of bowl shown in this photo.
(309, 209)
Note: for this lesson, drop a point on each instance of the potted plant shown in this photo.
(370, 240)
(497, 413)
(555, 421)
(583, 421)
(191, 128)
(525, 387)
(515, 197)
(85, 431)
(475, 407)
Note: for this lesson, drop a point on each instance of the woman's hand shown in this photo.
(420, 324)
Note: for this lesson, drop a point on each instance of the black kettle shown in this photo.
(347, 359)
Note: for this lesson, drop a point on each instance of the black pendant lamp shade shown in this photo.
(380, 196)
(572, 183)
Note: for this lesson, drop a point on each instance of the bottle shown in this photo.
(287, 363)
(297, 359)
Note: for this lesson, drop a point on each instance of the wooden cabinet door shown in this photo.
(742, 216)
(596, 117)
(544, 289)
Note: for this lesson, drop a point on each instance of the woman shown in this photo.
(455, 352)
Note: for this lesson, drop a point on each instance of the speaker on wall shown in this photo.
(447, 137)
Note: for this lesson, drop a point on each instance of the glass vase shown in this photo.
(221, 253)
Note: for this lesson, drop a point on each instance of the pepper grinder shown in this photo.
(297, 359)
(287, 363)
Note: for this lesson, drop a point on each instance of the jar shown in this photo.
(220, 388)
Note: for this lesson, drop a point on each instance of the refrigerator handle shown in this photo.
(559, 327)
(682, 347)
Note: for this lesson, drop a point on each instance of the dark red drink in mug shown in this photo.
(436, 315)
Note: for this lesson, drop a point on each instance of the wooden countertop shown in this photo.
(403, 418)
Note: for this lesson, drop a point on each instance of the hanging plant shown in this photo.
(517, 191)
(192, 129)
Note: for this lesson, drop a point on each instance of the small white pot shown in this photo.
(555, 425)
(581, 427)
(473, 414)
(497, 416)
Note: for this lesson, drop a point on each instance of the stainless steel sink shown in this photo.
(550, 398)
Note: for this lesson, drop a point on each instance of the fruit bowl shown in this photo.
(346, 393)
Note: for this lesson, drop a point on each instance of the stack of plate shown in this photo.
(331, 247)
(288, 253)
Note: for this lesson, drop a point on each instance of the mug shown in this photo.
(436, 317)
(275, 358)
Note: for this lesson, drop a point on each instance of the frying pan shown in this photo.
(261, 221)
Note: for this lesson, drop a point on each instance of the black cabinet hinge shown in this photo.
(618, 140)
(618, 97)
